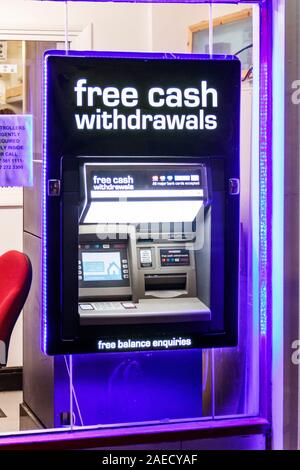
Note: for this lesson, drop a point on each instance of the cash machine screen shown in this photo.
(103, 264)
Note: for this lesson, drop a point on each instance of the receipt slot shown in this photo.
(141, 202)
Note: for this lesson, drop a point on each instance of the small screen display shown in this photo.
(101, 266)
(175, 257)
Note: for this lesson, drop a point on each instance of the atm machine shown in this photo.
(141, 243)
(140, 229)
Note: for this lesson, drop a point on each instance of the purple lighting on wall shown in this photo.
(265, 205)
(131, 387)
(44, 212)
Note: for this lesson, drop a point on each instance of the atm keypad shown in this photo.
(107, 306)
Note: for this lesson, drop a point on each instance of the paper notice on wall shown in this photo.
(15, 150)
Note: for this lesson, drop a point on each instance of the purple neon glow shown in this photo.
(126, 387)
(139, 55)
(265, 152)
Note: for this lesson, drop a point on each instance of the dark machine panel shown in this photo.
(141, 208)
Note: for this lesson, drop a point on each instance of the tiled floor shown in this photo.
(9, 404)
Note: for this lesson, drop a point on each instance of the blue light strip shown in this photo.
(263, 206)
(255, 209)
(44, 211)
(278, 73)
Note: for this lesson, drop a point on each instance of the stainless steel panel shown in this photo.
(38, 381)
(33, 201)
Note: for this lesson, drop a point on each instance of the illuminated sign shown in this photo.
(138, 344)
(15, 150)
(126, 186)
(108, 183)
(143, 197)
(98, 98)
(132, 105)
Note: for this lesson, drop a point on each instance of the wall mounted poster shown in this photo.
(16, 150)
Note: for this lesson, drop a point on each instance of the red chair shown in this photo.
(15, 281)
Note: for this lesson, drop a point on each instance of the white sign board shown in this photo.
(15, 150)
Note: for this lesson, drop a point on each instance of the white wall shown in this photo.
(170, 23)
(116, 26)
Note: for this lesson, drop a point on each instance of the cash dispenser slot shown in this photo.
(163, 282)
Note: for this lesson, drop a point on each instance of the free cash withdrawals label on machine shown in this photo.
(141, 184)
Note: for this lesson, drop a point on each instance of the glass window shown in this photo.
(152, 386)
